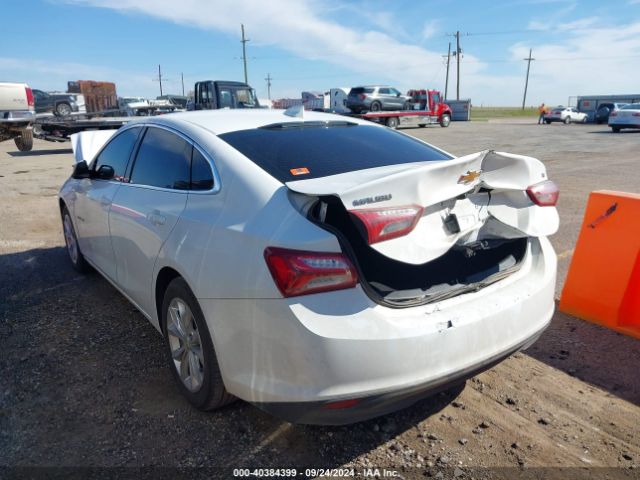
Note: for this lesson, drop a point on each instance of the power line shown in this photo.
(268, 79)
(526, 83)
(244, 53)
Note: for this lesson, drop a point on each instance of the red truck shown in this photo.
(427, 108)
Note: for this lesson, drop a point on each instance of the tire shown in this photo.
(63, 109)
(71, 241)
(183, 324)
(406, 106)
(567, 120)
(24, 142)
(584, 120)
(548, 122)
(422, 125)
(375, 107)
(445, 121)
(393, 122)
(615, 129)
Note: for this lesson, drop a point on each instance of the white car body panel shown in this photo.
(86, 145)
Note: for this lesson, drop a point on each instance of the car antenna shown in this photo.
(295, 111)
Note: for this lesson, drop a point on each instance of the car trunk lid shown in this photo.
(461, 201)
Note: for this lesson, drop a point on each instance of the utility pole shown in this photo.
(526, 83)
(160, 79)
(268, 79)
(458, 52)
(244, 53)
(182, 78)
(446, 82)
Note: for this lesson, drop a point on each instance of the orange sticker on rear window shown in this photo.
(299, 171)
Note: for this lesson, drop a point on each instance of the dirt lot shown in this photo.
(83, 381)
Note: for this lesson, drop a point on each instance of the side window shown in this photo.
(163, 160)
(201, 174)
(117, 152)
(383, 91)
(225, 99)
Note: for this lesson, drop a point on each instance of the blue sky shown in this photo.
(580, 46)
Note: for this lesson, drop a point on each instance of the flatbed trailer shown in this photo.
(404, 118)
(57, 129)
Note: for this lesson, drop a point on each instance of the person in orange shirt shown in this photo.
(542, 111)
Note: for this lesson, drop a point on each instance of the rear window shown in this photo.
(631, 106)
(293, 151)
(359, 90)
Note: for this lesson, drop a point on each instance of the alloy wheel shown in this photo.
(185, 344)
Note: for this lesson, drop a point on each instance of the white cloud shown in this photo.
(304, 29)
(430, 29)
(588, 61)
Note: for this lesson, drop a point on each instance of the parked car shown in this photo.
(358, 273)
(377, 98)
(177, 100)
(565, 115)
(61, 104)
(605, 109)
(17, 114)
(627, 117)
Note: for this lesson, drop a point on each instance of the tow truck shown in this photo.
(427, 109)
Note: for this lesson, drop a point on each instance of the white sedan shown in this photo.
(627, 117)
(323, 268)
(565, 115)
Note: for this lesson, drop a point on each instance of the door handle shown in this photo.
(157, 219)
(105, 201)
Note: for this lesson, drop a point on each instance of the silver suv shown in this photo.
(377, 98)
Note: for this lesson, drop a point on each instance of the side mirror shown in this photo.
(81, 170)
(105, 172)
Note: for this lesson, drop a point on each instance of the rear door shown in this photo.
(146, 209)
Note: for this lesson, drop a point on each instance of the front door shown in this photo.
(94, 198)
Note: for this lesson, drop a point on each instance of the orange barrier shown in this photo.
(603, 284)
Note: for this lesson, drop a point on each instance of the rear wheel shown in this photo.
(615, 129)
(392, 122)
(445, 121)
(548, 122)
(422, 125)
(190, 349)
(63, 109)
(71, 240)
(567, 120)
(375, 107)
(24, 142)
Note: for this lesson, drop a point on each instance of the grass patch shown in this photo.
(487, 113)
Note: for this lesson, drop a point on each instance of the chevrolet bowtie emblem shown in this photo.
(469, 177)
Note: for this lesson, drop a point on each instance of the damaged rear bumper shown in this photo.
(293, 356)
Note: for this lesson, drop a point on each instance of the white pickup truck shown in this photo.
(17, 112)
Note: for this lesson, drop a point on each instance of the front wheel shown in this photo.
(190, 350)
(615, 129)
(584, 120)
(71, 241)
(392, 122)
(567, 120)
(445, 121)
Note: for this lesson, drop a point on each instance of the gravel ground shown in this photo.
(83, 381)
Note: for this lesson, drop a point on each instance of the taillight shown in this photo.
(362, 96)
(544, 194)
(298, 272)
(387, 223)
(636, 114)
(613, 114)
(30, 101)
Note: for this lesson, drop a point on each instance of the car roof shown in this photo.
(223, 121)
